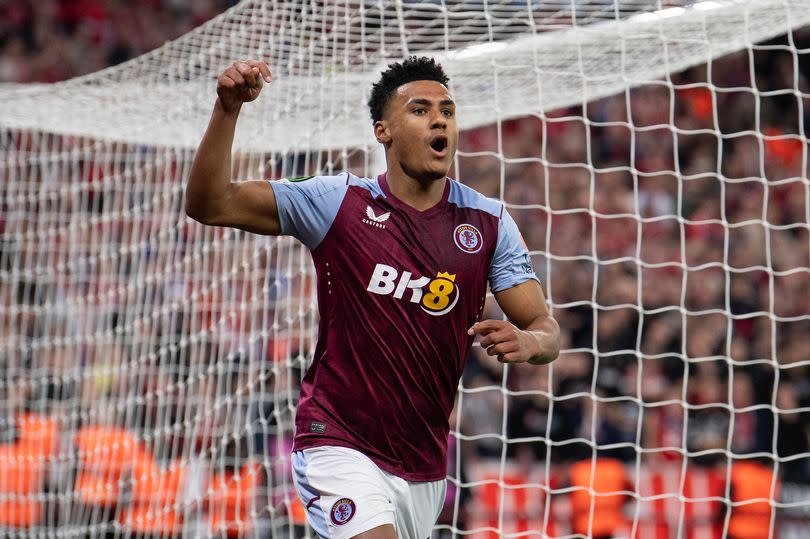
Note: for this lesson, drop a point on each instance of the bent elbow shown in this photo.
(197, 214)
(193, 212)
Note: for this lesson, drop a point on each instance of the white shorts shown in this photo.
(345, 493)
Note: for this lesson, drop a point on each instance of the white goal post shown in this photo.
(654, 155)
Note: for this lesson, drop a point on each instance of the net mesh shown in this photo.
(654, 156)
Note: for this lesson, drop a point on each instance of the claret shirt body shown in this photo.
(398, 289)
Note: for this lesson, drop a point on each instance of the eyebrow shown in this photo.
(428, 102)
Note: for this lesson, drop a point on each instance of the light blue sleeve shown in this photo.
(307, 206)
(511, 264)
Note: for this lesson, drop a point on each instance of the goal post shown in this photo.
(654, 156)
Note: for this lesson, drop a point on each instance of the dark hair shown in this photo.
(397, 74)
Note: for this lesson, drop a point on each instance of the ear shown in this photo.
(381, 132)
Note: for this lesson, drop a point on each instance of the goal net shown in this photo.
(654, 156)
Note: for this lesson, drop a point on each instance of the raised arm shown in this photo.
(211, 197)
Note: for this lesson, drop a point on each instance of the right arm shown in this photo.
(211, 197)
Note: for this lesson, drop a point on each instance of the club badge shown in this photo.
(342, 511)
(468, 238)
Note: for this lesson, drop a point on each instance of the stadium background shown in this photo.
(48, 41)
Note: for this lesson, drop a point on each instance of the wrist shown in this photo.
(542, 351)
(229, 110)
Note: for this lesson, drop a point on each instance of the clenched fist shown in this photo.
(241, 82)
(512, 345)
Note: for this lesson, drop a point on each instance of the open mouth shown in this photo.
(439, 144)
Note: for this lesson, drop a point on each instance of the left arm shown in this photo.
(531, 334)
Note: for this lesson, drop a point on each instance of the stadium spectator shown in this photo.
(793, 435)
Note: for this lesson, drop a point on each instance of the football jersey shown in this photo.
(398, 288)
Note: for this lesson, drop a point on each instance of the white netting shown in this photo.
(502, 61)
(654, 156)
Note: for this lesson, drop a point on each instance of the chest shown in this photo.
(447, 239)
(432, 260)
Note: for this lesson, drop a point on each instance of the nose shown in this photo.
(439, 121)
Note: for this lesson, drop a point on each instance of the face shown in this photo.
(419, 130)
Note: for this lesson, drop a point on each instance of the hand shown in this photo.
(504, 340)
(240, 83)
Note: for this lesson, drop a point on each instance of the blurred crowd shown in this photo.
(53, 40)
(668, 224)
(675, 254)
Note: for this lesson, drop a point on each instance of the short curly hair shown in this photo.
(397, 74)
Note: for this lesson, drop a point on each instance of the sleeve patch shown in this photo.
(511, 263)
(307, 206)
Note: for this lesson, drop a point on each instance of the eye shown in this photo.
(419, 111)
(447, 113)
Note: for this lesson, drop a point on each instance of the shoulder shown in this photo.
(322, 185)
(372, 185)
(466, 197)
(313, 185)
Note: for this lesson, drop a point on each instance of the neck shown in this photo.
(420, 194)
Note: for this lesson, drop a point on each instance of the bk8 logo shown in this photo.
(442, 290)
